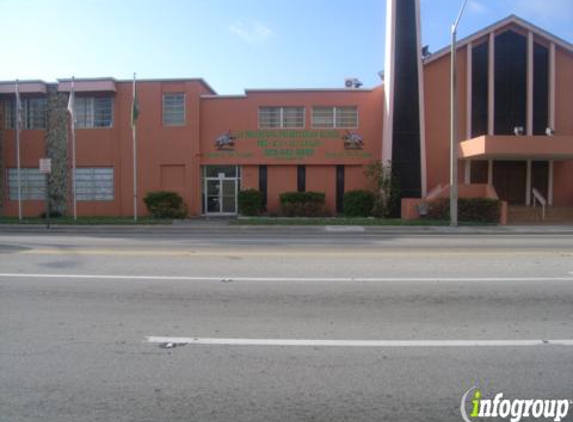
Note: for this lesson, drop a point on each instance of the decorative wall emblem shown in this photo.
(225, 142)
(353, 141)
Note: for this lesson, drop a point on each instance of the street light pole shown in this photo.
(454, 124)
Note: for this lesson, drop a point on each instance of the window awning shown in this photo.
(24, 87)
(87, 85)
(517, 148)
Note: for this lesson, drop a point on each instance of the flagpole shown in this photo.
(18, 122)
(73, 118)
(134, 136)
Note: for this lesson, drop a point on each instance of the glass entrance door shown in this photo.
(229, 196)
(221, 184)
(213, 196)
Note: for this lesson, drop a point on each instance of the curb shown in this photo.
(203, 227)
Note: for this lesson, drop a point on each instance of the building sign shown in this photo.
(226, 142)
(353, 140)
(45, 165)
(286, 144)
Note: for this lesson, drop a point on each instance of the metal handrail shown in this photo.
(542, 201)
(434, 193)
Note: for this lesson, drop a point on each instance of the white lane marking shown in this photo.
(278, 279)
(344, 229)
(356, 343)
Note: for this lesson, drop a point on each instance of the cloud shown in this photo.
(544, 9)
(476, 7)
(252, 33)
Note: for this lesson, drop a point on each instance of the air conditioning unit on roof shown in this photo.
(352, 83)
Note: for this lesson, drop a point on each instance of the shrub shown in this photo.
(385, 184)
(358, 203)
(302, 204)
(53, 214)
(250, 202)
(165, 204)
(479, 210)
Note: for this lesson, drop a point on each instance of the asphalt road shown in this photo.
(77, 311)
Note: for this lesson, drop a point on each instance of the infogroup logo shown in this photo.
(515, 410)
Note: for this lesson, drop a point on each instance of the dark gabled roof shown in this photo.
(511, 19)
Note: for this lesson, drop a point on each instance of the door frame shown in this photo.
(220, 179)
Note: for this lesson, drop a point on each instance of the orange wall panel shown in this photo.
(240, 116)
(354, 178)
(32, 148)
(250, 177)
(563, 184)
(173, 176)
(280, 179)
(323, 179)
(563, 92)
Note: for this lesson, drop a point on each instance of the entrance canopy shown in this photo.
(517, 148)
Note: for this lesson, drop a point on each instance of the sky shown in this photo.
(233, 44)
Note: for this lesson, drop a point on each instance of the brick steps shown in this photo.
(530, 215)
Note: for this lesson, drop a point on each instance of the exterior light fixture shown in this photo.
(550, 131)
(518, 130)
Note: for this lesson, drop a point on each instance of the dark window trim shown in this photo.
(301, 178)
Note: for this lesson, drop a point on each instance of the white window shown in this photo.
(281, 117)
(346, 117)
(335, 117)
(33, 113)
(269, 117)
(32, 183)
(93, 112)
(94, 184)
(323, 117)
(174, 109)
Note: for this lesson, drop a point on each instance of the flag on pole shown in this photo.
(72, 104)
(134, 105)
(72, 111)
(19, 110)
(19, 125)
(134, 116)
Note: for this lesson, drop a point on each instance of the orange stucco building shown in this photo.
(515, 97)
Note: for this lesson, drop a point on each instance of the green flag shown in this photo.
(134, 106)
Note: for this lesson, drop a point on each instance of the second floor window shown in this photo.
(93, 112)
(281, 117)
(335, 117)
(33, 113)
(174, 109)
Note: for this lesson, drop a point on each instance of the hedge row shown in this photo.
(479, 210)
(358, 203)
(165, 204)
(302, 204)
(362, 203)
(250, 202)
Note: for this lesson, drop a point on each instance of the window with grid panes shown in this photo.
(174, 109)
(323, 117)
(335, 117)
(293, 117)
(33, 113)
(346, 117)
(281, 117)
(32, 183)
(93, 112)
(269, 117)
(94, 184)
